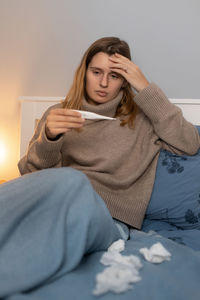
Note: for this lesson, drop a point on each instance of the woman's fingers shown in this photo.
(68, 124)
(122, 63)
(65, 112)
(120, 67)
(130, 71)
(65, 115)
(61, 120)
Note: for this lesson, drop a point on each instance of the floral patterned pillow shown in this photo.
(176, 194)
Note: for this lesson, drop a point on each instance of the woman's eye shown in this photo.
(96, 72)
(114, 76)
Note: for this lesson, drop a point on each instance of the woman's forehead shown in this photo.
(101, 61)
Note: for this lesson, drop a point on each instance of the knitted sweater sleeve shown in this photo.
(42, 153)
(174, 132)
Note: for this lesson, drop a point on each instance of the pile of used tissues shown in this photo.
(156, 254)
(123, 271)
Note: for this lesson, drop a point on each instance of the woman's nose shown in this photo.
(104, 81)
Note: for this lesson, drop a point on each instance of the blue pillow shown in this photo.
(176, 194)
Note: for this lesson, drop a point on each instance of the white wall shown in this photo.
(42, 41)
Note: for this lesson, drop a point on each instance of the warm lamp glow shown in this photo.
(2, 152)
(2, 181)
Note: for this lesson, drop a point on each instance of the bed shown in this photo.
(177, 276)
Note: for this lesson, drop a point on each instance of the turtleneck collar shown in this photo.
(107, 109)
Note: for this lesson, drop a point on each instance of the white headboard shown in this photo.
(32, 108)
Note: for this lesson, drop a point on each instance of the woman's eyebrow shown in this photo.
(95, 68)
(99, 69)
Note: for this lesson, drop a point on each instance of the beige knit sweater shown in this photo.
(120, 162)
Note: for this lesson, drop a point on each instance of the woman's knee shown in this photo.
(54, 184)
(68, 177)
(62, 177)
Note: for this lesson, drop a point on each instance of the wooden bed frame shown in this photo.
(32, 108)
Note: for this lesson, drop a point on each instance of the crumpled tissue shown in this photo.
(121, 271)
(156, 254)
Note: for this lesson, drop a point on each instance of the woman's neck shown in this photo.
(108, 109)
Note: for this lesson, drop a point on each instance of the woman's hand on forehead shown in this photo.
(130, 71)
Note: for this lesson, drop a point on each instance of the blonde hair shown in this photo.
(108, 45)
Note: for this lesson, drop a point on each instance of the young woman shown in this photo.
(118, 156)
(51, 218)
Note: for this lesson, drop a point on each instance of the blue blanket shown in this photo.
(174, 280)
(54, 229)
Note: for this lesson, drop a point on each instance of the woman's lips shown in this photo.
(102, 93)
